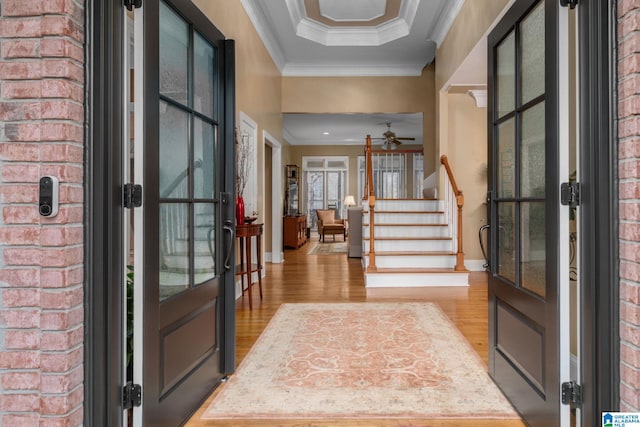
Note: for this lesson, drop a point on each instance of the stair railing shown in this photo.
(453, 199)
(370, 196)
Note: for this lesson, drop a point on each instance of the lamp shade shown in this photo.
(349, 200)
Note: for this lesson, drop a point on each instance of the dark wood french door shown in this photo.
(188, 156)
(524, 210)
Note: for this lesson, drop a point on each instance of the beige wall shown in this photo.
(367, 95)
(258, 84)
(467, 157)
(472, 22)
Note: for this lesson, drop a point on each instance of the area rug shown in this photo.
(322, 248)
(360, 360)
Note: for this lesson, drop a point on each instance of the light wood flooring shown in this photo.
(336, 278)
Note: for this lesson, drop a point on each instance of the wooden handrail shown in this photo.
(371, 197)
(460, 203)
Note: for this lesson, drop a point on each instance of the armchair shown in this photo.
(328, 224)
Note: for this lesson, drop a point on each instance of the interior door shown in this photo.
(525, 355)
(188, 157)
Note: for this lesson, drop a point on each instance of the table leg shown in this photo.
(259, 252)
(248, 255)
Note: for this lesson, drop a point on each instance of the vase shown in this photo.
(239, 210)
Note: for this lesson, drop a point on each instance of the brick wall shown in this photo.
(41, 133)
(629, 172)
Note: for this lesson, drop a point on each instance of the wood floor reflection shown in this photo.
(336, 278)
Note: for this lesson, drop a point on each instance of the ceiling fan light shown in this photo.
(384, 145)
(394, 146)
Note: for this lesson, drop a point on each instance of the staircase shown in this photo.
(414, 245)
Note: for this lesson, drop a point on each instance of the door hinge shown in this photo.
(132, 196)
(570, 194)
(571, 3)
(130, 4)
(131, 395)
(571, 394)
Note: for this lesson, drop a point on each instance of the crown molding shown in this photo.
(350, 70)
(260, 22)
(445, 20)
(352, 36)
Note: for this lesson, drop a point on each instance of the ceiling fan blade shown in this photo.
(406, 139)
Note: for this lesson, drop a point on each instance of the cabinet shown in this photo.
(292, 193)
(295, 231)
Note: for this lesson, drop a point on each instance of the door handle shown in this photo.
(229, 229)
(484, 252)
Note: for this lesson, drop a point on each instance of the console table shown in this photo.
(244, 233)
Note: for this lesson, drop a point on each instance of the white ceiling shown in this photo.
(348, 129)
(300, 45)
(357, 38)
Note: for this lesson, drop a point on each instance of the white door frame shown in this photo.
(276, 255)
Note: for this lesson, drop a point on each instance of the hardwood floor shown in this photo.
(336, 278)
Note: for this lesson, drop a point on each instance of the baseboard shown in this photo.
(268, 257)
(474, 264)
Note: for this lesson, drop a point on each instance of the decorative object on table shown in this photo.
(250, 219)
(243, 166)
(360, 361)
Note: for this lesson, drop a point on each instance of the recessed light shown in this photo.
(325, 133)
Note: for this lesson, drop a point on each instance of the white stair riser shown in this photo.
(412, 261)
(409, 205)
(181, 262)
(406, 218)
(410, 246)
(403, 280)
(408, 231)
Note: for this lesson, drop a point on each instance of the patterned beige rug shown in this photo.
(362, 360)
(322, 248)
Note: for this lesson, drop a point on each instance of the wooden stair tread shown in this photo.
(409, 253)
(415, 270)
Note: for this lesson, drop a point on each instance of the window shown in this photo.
(325, 185)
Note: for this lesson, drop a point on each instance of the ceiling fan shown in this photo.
(390, 140)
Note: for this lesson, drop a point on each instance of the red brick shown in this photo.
(629, 106)
(62, 110)
(629, 190)
(29, 152)
(19, 193)
(61, 362)
(629, 64)
(60, 257)
(630, 271)
(62, 152)
(21, 173)
(58, 88)
(62, 132)
(625, 6)
(66, 173)
(630, 22)
(61, 340)
(60, 25)
(629, 127)
(20, 380)
(21, 297)
(60, 236)
(21, 8)
(61, 320)
(66, 215)
(72, 194)
(20, 402)
(630, 354)
(61, 383)
(20, 318)
(19, 278)
(23, 27)
(20, 420)
(630, 333)
(63, 68)
(19, 360)
(20, 48)
(72, 419)
(58, 47)
(20, 70)
(21, 89)
(62, 299)
(629, 211)
(22, 132)
(630, 231)
(16, 214)
(630, 396)
(629, 169)
(631, 375)
(21, 235)
(22, 339)
(627, 47)
(60, 405)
